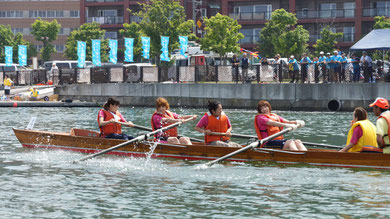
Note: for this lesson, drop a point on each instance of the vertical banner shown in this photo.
(164, 49)
(81, 52)
(129, 55)
(113, 44)
(22, 54)
(8, 55)
(96, 53)
(183, 45)
(145, 47)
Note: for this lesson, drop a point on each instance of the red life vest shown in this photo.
(109, 128)
(270, 129)
(216, 125)
(386, 116)
(168, 133)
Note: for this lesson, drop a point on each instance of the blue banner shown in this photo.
(96, 53)
(81, 52)
(22, 54)
(129, 55)
(113, 44)
(183, 45)
(164, 49)
(145, 47)
(8, 55)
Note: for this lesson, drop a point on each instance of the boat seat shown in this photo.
(83, 132)
(371, 149)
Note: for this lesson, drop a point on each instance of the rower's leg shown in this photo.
(300, 145)
(185, 140)
(290, 145)
(173, 140)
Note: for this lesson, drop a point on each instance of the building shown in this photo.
(21, 14)
(354, 18)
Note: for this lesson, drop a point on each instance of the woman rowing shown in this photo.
(216, 121)
(267, 124)
(163, 117)
(362, 133)
(110, 121)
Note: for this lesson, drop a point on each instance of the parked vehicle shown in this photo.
(12, 68)
(64, 64)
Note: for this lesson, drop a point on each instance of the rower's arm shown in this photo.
(346, 148)
(277, 124)
(103, 123)
(379, 139)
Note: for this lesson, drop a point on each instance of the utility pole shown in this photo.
(195, 11)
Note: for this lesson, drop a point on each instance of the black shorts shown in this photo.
(7, 91)
(275, 144)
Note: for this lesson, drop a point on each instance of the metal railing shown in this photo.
(251, 16)
(372, 12)
(104, 0)
(336, 13)
(105, 20)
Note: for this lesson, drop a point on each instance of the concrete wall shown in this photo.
(281, 96)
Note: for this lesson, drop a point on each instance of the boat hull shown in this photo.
(88, 142)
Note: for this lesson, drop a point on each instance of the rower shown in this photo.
(380, 108)
(163, 117)
(361, 136)
(267, 124)
(216, 121)
(110, 121)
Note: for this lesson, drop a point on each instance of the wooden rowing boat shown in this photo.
(86, 141)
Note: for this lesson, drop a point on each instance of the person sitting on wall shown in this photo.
(110, 121)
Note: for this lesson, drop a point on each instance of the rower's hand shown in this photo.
(343, 150)
(194, 116)
(207, 132)
(130, 124)
(294, 127)
(228, 134)
(300, 123)
(112, 121)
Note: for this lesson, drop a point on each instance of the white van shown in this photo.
(12, 68)
(65, 64)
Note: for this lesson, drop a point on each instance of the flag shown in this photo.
(8, 55)
(145, 47)
(81, 52)
(113, 44)
(96, 53)
(129, 44)
(22, 54)
(183, 45)
(164, 49)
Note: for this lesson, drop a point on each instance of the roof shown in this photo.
(375, 40)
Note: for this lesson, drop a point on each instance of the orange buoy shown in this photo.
(15, 104)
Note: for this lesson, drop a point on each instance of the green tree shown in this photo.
(6, 39)
(18, 40)
(163, 18)
(133, 30)
(222, 35)
(87, 32)
(46, 32)
(282, 35)
(328, 41)
(381, 22)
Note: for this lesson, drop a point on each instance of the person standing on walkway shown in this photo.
(316, 70)
(294, 69)
(367, 67)
(334, 67)
(380, 107)
(328, 61)
(343, 61)
(277, 64)
(244, 68)
(235, 64)
(322, 66)
(7, 86)
(305, 61)
(356, 68)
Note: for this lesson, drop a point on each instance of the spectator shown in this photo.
(305, 61)
(244, 67)
(277, 68)
(328, 65)
(293, 69)
(235, 64)
(316, 70)
(264, 65)
(343, 61)
(335, 67)
(322, 66)
(53, 74)
(7, 86)
(367, 67)
(356, 68)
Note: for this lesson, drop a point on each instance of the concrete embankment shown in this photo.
(317, 97)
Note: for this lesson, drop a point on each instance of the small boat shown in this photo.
(87, 141)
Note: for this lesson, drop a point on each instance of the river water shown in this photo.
(45, 184)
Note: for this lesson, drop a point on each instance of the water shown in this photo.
(45, 184)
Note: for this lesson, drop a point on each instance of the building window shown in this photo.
(262, 11)
(51, 14)
(349, 34)
(328, 10)
(107, 13)
(60, 48)
(17, 30)
(74, 14)
(203, 12)
(383, 8)
(59, 13)
(111, 35)
(349, 9)
(250, 35)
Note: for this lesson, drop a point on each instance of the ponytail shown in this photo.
(213, 105)
(111, 101)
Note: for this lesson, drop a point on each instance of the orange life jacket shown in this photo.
(386, 116)
(168, 133)
(216, 125)
(270, 129)
(109, 128)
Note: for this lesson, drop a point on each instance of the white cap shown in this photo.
(291, 57)
(321, 52)
(335, 51)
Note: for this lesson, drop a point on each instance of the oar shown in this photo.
(139, 138)
(253, 145)
(313, 144)
(149, 129)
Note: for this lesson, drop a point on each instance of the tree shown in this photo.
(281, 35)
(6, 38)
(133, 30)
(328, 41)
(87, 32)
(163, 18)
(18, 40)
(222, 35)
(381, 22)
(46, 32)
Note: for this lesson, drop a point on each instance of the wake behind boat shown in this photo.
(87, 141)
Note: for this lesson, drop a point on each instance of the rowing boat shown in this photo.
(87, 141)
